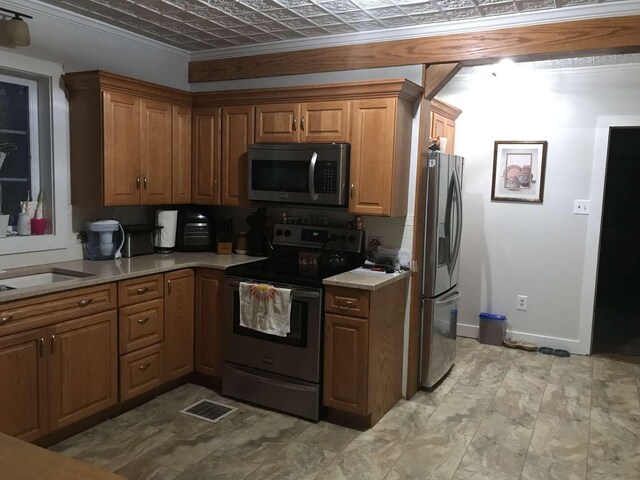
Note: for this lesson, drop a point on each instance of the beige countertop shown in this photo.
(97, 272)
(364, 279)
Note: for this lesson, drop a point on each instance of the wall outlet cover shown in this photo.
(581, 207)
(522, 302)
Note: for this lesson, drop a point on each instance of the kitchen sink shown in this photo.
(25, 279)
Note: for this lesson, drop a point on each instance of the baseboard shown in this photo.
(573, 346)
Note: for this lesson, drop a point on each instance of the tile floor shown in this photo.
(500, 414)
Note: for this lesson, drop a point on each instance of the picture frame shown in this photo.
(518, 171)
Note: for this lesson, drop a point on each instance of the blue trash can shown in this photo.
(492, 328)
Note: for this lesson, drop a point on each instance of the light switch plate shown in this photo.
(581, 207)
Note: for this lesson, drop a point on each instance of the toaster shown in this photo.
(138, 240)
(195, 231)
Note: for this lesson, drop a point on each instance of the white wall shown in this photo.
(535, 250)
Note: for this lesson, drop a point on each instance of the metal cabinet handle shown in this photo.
(142, 321)
(144, 367)
(142, 290)
(353, 191)
(302, 123)
(169, 286)
(53, 343)
(295, 119)
(145, 183)
(85, 302)
(137, 183)
(42, 346)
(345, 304)
(5, 319)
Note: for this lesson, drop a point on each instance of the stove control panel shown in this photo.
(320, 237)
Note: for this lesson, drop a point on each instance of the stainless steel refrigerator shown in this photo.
(441, 255)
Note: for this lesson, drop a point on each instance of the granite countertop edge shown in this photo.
(364, 280)
(107, 271)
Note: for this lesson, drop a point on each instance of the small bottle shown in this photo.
(24, 224)
(358, 224)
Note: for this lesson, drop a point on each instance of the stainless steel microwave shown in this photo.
(305, 173)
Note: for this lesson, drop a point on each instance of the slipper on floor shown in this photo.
(528, 346)
(554, 351)
(546, 350)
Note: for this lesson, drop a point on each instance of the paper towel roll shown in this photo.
(166, 236)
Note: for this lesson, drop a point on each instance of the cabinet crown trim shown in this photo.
(98, 79)
(445, 109)
(399, 87)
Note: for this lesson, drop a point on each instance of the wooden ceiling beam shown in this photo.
(435, 77)
(580, 37)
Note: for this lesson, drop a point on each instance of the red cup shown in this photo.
(38, 226)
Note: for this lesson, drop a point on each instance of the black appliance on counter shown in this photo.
(258, 242)
(138, 240)
(285, 373)
(195, 230)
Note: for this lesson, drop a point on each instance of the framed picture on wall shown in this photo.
(518, 171)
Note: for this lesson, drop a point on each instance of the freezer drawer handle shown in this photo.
(449, 300)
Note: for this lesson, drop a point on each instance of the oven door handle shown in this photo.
(294, 292)
(312, 177)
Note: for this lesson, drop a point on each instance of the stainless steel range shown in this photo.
(285, 373)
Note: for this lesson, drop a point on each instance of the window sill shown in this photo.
(32, 243)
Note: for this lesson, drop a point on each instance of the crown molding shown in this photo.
(75, 20)
(582, 12)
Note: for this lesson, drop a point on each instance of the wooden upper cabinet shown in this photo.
(155, 152)
(443, 123)
(121, 122)
(181, 158)
(178, 323)
(206, 156)
(237, 135)
(325, 121)
(83, 367)
(278, 123)
(23, 377)
(209, 322)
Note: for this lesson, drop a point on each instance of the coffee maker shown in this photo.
(258, 242)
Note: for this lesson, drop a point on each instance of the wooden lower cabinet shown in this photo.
(141, 371)
(23, 377)
(209, 305)
(83, 369)
(178, 323)
(346, 359)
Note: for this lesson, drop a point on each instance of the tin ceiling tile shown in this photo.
(338, 6)
(261, 4)
(323, 20)
(497, 8)
(422, 7)
(339, 28)
(385, 12)
(293, 3)
(309, 10)
(371, 25)
(281, 14)
(451, 4)
(312, 31)
(349, 17)
(270, 26)
(394, 22)
(253, 17)
(369, 4)
(463, 13)
(535, 4)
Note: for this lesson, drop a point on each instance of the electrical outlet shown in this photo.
(409, 221)
(522, 302)
(581, 207)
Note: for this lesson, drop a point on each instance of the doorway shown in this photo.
(616, 315)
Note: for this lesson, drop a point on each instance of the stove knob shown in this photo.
(287, 233)
(333, 237)
(343, 238)
(279, 232)
(351, 239)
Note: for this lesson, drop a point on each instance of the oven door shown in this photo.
(297, 355)
(299, 173)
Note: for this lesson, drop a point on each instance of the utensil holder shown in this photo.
(38, 226)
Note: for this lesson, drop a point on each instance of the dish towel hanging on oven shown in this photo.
(265, 308)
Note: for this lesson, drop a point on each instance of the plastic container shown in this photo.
(492, 328)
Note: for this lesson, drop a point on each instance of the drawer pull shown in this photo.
(142, 321)
(142, 290)
(85, 302)
(42, 346)
(346, 304)
(5, 319)
(144, 367)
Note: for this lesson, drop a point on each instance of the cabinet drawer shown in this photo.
(141, 325)
(139, 290)
(347, 301)
(39, 311)
(140, 371)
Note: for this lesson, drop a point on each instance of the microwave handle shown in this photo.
(312, 176)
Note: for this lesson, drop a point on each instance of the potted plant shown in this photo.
(5, 149)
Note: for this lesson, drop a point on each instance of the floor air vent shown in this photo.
(209, 410)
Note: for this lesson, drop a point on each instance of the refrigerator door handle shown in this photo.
(456, 249)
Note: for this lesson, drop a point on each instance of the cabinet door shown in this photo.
(442, 126)
(181, 158)
(346, 353)
(23, 377)
(155, 152)
(209, 303)
(278, 123)
(325, 121)
(206, 156)
(372, 156)
(121, 144)
(83, 368)
(178, 323)
(237, 135)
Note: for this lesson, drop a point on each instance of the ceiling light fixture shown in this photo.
(14, 32)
